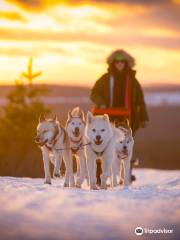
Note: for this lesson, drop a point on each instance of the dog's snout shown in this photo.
(98, 137)
(76, 129)
(125, 147)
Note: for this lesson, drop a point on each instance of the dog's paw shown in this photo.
(66, 184)
(103, 187)
(94, 188)
(78, 185)
(47, 182)
(56, 175)
(121, 182)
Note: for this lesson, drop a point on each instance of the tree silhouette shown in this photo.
(18, 153)
(30, 75)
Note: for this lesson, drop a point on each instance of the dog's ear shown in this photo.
(124, 123)
(69, 115)
(124, 130)
(106, 117)
(42, 118)
(55, 118)
(89, 117)
(81, 115)
(130, 131)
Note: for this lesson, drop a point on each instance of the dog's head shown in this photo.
(99, 129)
(47, 129)
(124, 145)
(75, 124)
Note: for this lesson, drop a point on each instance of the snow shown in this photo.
(31, 210)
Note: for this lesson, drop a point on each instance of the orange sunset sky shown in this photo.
(70, 40)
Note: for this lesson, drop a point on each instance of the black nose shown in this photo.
(76, 129)
(124, 147)
(98, 137)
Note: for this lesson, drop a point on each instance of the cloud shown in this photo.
(38, 5)
(162, 13)
(35, 5)
(13, 16)
(16, 52)
(108, 40)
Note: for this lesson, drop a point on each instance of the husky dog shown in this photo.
(51, 137)
(123, 155)
(75, 127)
(101, 136)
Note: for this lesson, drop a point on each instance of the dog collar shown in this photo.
(99, 154)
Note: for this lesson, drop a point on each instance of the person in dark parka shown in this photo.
(109, 90)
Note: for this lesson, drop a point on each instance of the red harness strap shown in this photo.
(126, 111)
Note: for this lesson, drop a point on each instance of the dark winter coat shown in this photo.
(100, 95)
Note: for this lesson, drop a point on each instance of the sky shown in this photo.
(70, 40)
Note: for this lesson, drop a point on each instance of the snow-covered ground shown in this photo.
(31, 210)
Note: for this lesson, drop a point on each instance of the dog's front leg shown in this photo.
(127, 165)
(91, 164)
(57, 163)
(115, 171)
(106, 170)
(69, 176)
(82, 168)
(45, 155)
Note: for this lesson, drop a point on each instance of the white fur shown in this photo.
(45, 134)
(75, 127)
(123, 155)
(104, 145)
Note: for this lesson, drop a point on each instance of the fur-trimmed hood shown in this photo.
(130, 60)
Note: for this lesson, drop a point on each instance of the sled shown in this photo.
(118, 112)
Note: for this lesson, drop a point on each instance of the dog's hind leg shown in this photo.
(45, 155)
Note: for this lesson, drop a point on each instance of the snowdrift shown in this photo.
(31, 210)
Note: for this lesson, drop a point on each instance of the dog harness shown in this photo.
(76, 149)
(54, 140)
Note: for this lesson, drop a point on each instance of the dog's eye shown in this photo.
(80, 123)
(94, 130)
(121, 141)
(72, 123)
(102, 130)
(45, 131)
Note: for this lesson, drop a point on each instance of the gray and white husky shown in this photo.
(123, 155)
(75, 127)
(52, 139)
(100, 134)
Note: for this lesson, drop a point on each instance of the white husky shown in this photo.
(122, 161)
(51, 137)
(101, 137)
(75, 127)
